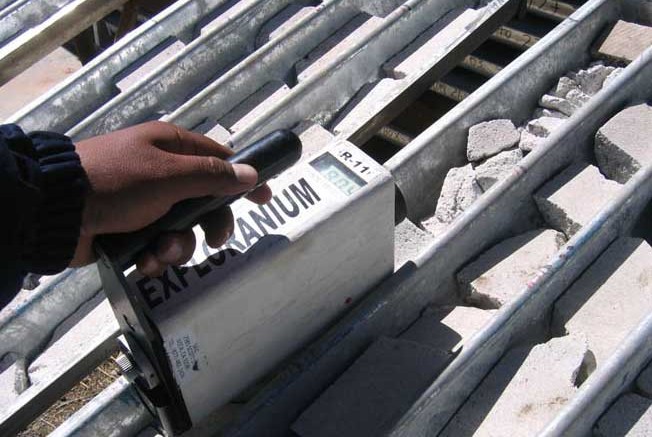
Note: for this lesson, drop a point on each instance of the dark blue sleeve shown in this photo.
(42, 186)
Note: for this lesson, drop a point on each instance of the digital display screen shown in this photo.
(338, 174)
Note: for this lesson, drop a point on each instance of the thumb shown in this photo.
(211, 176)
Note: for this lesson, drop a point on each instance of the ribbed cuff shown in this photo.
(63, 185)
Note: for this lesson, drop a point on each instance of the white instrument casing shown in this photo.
(294, 265)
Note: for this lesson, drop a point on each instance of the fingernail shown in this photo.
(245, 174)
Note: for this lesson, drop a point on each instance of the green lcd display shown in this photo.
(337, 173)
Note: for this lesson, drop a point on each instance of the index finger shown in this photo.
(176, 139)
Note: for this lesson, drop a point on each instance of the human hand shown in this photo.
(137, 174)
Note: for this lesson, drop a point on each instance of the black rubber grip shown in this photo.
(270, 156)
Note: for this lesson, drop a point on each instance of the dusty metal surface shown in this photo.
(117, 411)
(30, 30)
(71, 101)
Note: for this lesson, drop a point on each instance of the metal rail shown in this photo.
(86, 90)
(50, 23)
(418, 170)
(322, 92)
(228, 40)
(58, 368)
(22, 15)
(117, 411)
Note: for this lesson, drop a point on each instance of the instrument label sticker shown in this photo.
(184, 355)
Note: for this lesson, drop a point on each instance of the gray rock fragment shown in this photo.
(590, 80)
(626, 41)
(610, 298)
(622, 145)
(497, 167)
(557, 104)
(630, 416)
(409, 241)
(489, 138)
(558, 199)
(529, 141)
(374, 391)
(523, 392)
(459, 191)
(564, 85)
(544, 112)
(577, 98)
(543, 126)
(537, 130)
(502, 272)
(612, 76)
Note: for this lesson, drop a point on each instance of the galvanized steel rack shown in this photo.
(30, 29)
(214, 58)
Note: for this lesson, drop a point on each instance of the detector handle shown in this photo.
(270, 156)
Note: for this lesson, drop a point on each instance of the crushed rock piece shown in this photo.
(558, 199)
(612, 76)
(557, 104)
(590, 80)
(543, 126)
(622, 145)
(497, 167)
(609, 299)
(626, 41)
(459, 191)
(503, 271)
(523, 392)
(529, 141)
(564, 85)
(409, 241)
(544, 112)
(577, 98)
(490, 137)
